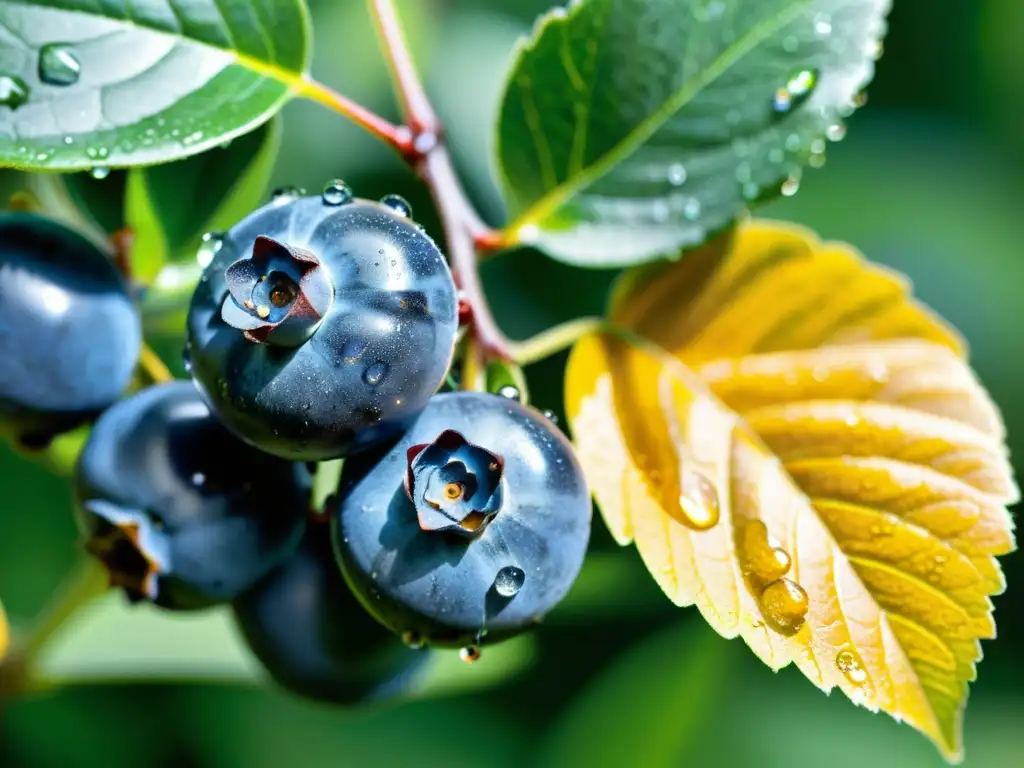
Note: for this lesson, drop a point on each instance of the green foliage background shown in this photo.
(930, 180)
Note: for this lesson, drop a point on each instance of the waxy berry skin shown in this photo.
(314, 638)
(69, 332)
(179, 511)
(470, 528)
(321, 329)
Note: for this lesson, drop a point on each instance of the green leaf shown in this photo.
(155, 82)
(631, 128)
(170, 206)
(648, 708)
(502, 373)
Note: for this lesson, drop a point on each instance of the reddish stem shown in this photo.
(464, 230)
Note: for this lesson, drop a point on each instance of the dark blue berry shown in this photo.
(470, 528)
(69, 332)
(315, 639)
(180, 511)
(322, 328)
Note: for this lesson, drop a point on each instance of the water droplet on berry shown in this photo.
(849, 663)
(412, 639)
(784, 605)
(336, 192)
(698, 501)
(509, 581)
(211, 243)
(375, 374)
(470, 654)
(512, 393)
(100, 172)
(59, 65)
(676, 174)
(398, 204)
(198, 479)
(284, 194)
(13, 92)
(352, 349)
(550, 416)
(186, 358)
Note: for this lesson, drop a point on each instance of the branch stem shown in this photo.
(416, 107)
(398, 137)
(154, 368)
(556, 339)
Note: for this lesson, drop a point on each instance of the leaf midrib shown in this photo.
(294, 80)
(556, 196)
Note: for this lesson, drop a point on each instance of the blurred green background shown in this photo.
(930, 180)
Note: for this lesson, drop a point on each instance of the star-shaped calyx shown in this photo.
(278, 295)
(130, 545)
(453, 484)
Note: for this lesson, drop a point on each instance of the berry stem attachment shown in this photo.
(154, 368)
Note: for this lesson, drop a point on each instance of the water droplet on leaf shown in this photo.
(412, 639)
(691, 208)
(509, 581)
(823, 25)
(797, 89)
(398, 204)
(849, 663)
(835, 132)
(698, 502)
(760, 558)
(676, 174)
(59, 65)
(784, 605)
(790, 186)
(100, 172)
(13, 92)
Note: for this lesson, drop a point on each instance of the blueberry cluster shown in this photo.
(323, 327)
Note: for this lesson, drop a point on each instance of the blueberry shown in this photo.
(315, 639)
(321, 328)
(180, 511)
(69, 332)
(469, 528)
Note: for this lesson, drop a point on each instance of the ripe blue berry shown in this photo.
(315, 639)
(470, 528)
(179, 511)
(70, 333)
(322, 326)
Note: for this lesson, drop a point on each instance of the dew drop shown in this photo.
(790, 44)
(550, 416)
(510, 392)
(186, 358)
(751, 191)
(849, 663)
(509, 580)
(797, 89)
(691, 208)
(760, 559)
(211, 243)
(13, 92)
(198, 479)
(68, 140)
(424, 142)
(284, 194)
(816, 161)
(352, 350)
(783, 605)
(412, 639)
(823, 25)
(59, 65)
(777, 155)
(659, 210)
(100, 172)
(470, 654)
(375, 374)
(336, 192)
(398, 204)
(835, 132)
(676, 174)
(790, 186)
(698, 501)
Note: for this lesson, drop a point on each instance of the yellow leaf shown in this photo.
(5, 634)
(832, 428)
